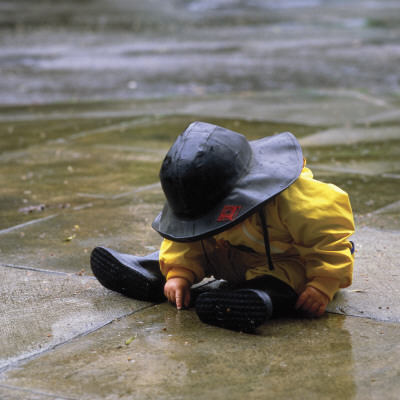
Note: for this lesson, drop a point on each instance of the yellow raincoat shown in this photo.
(309, 224)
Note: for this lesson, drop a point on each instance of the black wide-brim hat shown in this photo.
(213, 178)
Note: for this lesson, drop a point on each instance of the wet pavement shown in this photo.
(92, 96)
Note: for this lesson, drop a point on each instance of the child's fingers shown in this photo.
(313, 307)
(309, 306)
(301, 300)
(182, 298)
(316, 309)
(169, 295)
(320, 311)
(311, 302)
(179, 298)
(177, 290)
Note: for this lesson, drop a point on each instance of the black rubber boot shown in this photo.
(136, 277)
(283, 297)
(239, 309)
(248, 305)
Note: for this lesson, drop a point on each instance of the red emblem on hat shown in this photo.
(229, 213)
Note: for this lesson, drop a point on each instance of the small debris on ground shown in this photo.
(130, 340)
(32, 209)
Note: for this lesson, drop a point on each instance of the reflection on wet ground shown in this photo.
(93, 95)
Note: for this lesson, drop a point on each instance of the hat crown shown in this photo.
(202, 167)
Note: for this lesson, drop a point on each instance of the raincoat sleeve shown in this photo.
(320, 220)
(183, 260)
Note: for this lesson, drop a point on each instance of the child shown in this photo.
(246, 212)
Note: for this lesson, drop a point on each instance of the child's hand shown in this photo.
(177, 290)
(312, 301)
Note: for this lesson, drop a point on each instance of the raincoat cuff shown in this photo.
(329, 286)
(179, 272)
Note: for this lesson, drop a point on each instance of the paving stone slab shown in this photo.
(375, 292)
(309, 108)
(9, 393)
(381, 168)
(71, 173)
(64, 242)
(168, 354)
(390, 116)
(314, 107)
(386, 217)
(350, 135)
(42, 310)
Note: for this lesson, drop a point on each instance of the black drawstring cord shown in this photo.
(205, 253)
(266, 239)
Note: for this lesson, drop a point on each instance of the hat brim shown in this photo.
(276, 163)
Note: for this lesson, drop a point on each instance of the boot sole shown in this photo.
(120, 274)
(240, 310)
